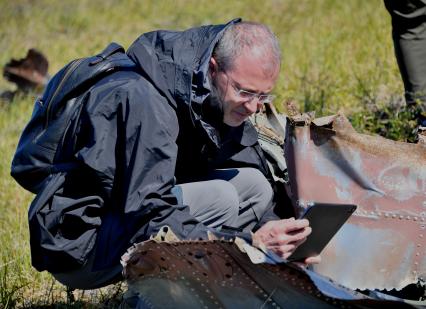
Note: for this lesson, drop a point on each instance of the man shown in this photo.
(169, 145)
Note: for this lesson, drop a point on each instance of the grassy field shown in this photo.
(337, 55)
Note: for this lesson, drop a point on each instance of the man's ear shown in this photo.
(213, 67)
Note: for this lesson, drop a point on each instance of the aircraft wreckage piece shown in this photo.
(217, 274)
(383, 245)
(29, 72)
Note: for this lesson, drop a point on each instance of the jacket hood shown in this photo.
(177, 62)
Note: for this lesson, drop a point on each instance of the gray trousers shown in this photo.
(232, 197)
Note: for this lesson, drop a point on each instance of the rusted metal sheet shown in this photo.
(28, 72)
(383, 245)
(217, 274)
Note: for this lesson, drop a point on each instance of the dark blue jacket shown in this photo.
(137, 134)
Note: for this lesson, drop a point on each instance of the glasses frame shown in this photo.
(249, 96)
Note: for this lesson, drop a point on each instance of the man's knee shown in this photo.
(260, 186)
(260, 193)
(214, 202)
(227, 199)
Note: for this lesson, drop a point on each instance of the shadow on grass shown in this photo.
(58, 296)
(111, 303)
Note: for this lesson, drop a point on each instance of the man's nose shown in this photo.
(251, 106)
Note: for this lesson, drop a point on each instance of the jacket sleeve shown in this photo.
(130, 145)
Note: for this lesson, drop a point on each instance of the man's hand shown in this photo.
(283, 236)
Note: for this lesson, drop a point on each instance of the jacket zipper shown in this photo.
(71, 69)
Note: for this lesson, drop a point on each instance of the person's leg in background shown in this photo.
(409, 38)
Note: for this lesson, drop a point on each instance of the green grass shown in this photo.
(337, 55)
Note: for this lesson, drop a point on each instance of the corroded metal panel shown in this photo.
(383, 245)
(217, 274)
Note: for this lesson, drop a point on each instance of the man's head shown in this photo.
(244, 69)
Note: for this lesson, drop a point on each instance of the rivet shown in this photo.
(401, 217)
(422, 226)
(386, 215)
(415, 218)
(393, 216)
(416, 263)
(417, 254)
(421, 235)
(372, 213)
(419, 245)
(408, 218)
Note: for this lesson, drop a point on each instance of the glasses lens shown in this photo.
(246, 95)
(266, 98)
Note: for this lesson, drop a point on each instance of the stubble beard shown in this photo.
(214, 107)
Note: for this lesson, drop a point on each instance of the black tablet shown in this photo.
(325, 220)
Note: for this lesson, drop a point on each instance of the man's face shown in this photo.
(247, 74)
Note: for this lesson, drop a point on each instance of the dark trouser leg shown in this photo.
(409, 37)
(411, 56)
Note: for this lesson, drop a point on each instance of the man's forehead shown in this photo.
(249, 72)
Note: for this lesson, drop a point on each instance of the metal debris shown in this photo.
(216, 274)
(383, 245)
(27, 73)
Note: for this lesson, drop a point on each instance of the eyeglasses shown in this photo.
(248, 95)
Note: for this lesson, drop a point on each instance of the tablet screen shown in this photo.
(325, 220)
